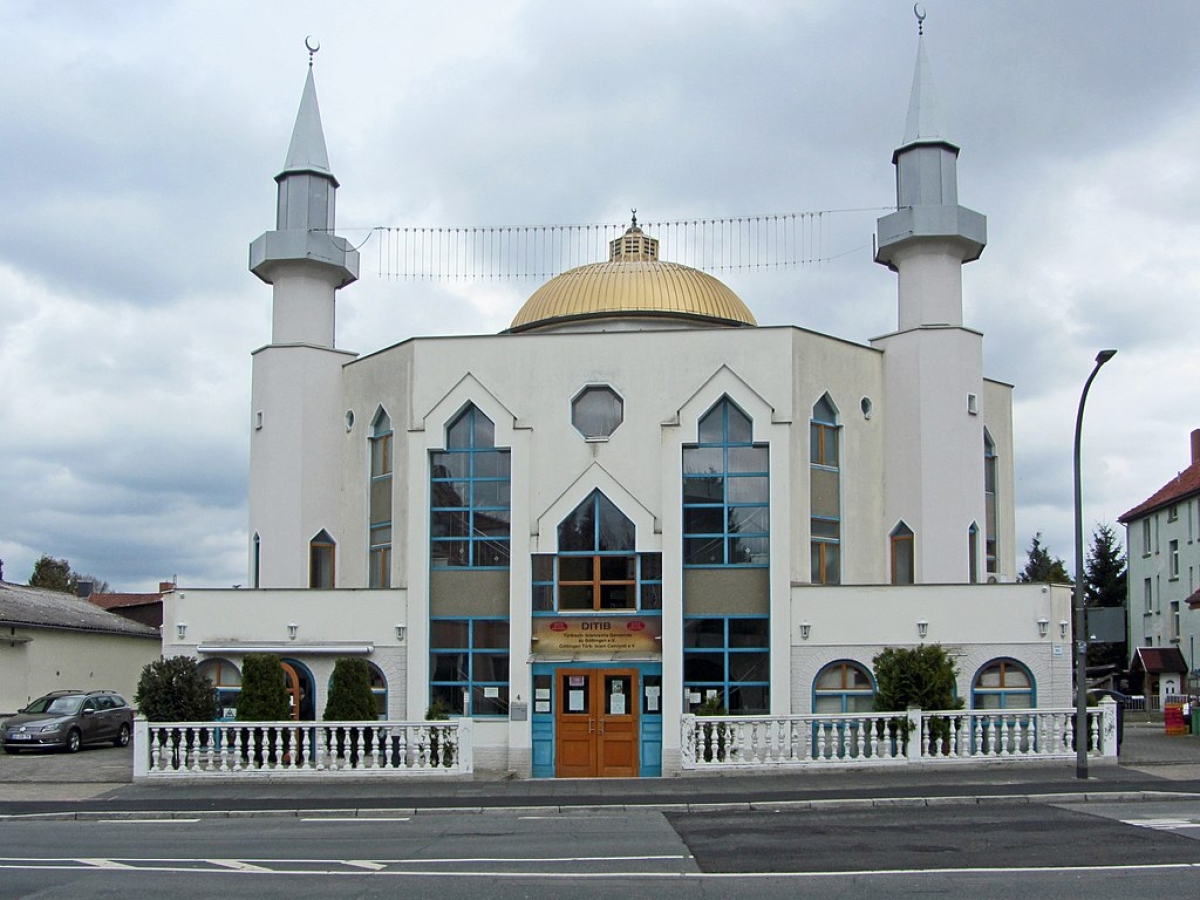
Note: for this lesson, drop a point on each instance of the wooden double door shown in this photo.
(596, 723)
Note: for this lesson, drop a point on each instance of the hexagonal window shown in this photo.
(597, 411)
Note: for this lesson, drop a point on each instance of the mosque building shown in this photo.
(633, 502)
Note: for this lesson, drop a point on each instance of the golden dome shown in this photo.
(633, 283)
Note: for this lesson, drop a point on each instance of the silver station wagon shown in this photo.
(68, 720)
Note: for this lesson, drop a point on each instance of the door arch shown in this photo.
(299, 685)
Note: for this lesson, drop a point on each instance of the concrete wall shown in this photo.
(57, 659)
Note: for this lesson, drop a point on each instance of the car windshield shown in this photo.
(63, 706)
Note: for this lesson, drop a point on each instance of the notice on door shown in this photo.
(597, 634)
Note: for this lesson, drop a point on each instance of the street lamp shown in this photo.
(1081, 636)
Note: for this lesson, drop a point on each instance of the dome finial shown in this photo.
(633, 218)
(313, 46)
(919, 12)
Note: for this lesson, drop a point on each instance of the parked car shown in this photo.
(68, 720)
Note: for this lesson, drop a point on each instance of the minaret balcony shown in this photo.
(274, 247)
(965, 226)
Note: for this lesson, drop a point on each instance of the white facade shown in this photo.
(633, 502)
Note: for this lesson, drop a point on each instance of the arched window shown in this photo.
(321, 551)
(903, 556)
(825, 493)
(843, 687)
(379, 561)
(469, 496)
(726, 492)
(227, 681)
(973, 554)
(597, 565)
(379, 691)
(256, 566)
(991, 513)
(1003, 684)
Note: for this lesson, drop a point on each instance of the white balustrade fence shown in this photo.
(252, 750)
(915, 736)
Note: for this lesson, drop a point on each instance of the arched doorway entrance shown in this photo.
(298, 682)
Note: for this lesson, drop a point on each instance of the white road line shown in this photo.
(237, 865)
(358, 819)
(103, 863)
(365, 864)
(146, 821)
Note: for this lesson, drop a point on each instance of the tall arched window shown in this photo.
(380, 512)
(825, 517)
(597, 566)
(843, 687)
(903, 556)
(1003, 684)
(991, 513)
(321, 550)
(726, 492)
(973, 554)
(469, 496)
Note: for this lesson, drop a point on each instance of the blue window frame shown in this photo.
(844, 687)
(1003, 684)
(597, 568)
(470, 487)
(726, 492)
(468, 665)
(727, 657)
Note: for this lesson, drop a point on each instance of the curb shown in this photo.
(367, 814)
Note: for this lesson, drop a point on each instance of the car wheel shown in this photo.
(10, 749)
(74, 741)
(122, 738)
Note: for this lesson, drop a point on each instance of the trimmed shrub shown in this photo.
(173, 690)
(264, 696)
(350, 696)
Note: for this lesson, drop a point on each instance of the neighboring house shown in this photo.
(1158, 673)
(51, 640)
(144, 608)
(632, 501)
(1163, 542)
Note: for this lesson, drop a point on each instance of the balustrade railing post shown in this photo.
(915, 718)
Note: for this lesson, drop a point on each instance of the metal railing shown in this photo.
(254, 749)
(914, 736)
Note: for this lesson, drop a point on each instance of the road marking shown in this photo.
(358, 819)
(237, 865)
(1162, 824)
(365, 864)
(147, 821)
(104, 863)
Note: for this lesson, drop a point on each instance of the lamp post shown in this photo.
(1081, 635)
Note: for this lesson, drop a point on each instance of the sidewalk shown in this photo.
(1152, 765)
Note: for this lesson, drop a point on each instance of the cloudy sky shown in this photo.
(141, 139)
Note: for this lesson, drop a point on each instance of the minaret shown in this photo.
(296, 417)
(933, 366)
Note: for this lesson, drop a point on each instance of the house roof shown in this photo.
(35, 607)
(115, 601)
(1159, 660)
(1193, 600)
(1182, 486)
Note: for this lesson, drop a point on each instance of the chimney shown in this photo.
(83, 589)
(1195, 446)
(164, 586)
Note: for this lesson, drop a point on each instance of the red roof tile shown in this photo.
(1159, 660)
(1182, 486)
(112, 601)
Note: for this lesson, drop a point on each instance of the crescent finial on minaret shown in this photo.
(919, 12)
(313, 45)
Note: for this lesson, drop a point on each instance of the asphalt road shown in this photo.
(1093, 851)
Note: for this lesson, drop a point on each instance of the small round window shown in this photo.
(597, 411)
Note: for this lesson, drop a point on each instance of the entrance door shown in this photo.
(596, 723)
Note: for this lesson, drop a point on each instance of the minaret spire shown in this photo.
(929, 236)
(303, 252)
